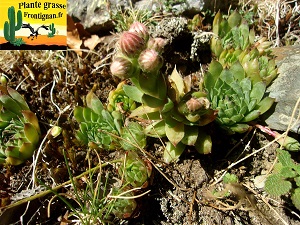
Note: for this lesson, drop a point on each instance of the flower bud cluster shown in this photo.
(137, 52)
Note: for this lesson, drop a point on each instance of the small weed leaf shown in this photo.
(230, 178)
(296, 198)
(297, 180)
(276, 185)
(284, 158)
(288, 172)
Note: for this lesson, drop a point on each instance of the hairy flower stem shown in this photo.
(54, 189)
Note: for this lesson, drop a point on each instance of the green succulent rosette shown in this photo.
(123, 208)
(19, 128)
(135, 170)
(119, 101)
(235, 41)
(100, 128)
(235, 96)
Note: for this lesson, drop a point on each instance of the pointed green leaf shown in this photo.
(177, 83)
(175, 134)
(18, 98)
(227, 77)
(203, 143)
(31, 118)
(244, 29)
(168, 106)
(239, 128)
(146, 112)
(265, 104)
(82, 137)
(251, 116)
(148, 84)
(31, 133)
(172, 153)
(133, 93)
(94, 103)
(156, 129)
(237, 70)
(234, 19)
(11, 104)
(152, 102)
(258, 91)
(87, 114)
(190, 135)
(78, 114)
(12, 151)
(26, 151)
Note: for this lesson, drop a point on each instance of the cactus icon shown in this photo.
(9, 26)
(52, 29)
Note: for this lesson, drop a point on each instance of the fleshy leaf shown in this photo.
(94, 103)
(156, 129)
(31, 133)
(177, 84)
(172, 153)
(133, 92)
(190, 135)
(203, 143)
(146, 112)
(265, 104)
(18, 98)
(175, 133)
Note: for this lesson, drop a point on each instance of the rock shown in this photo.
(285, 89)
(95, 16)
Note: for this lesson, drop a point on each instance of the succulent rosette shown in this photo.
(19, 128)
(235, 96)
(119, 101)
(235, 41)
(100, 128)
(135, 170)
(123, 208)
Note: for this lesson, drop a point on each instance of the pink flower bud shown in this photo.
(140, 29)
(157, 44)
(195, 104)
(122, 68)
(131, 44)
(150, 60)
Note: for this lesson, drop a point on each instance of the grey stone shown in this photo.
(286, 89)
(95, 15)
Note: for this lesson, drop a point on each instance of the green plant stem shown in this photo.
(43, 193)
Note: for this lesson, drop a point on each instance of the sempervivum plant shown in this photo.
(235, 96)
(123, 207)
(170, 106)
(19, 128)
(100, 128)
(119, 101)
(235, 41)
(135, 171)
